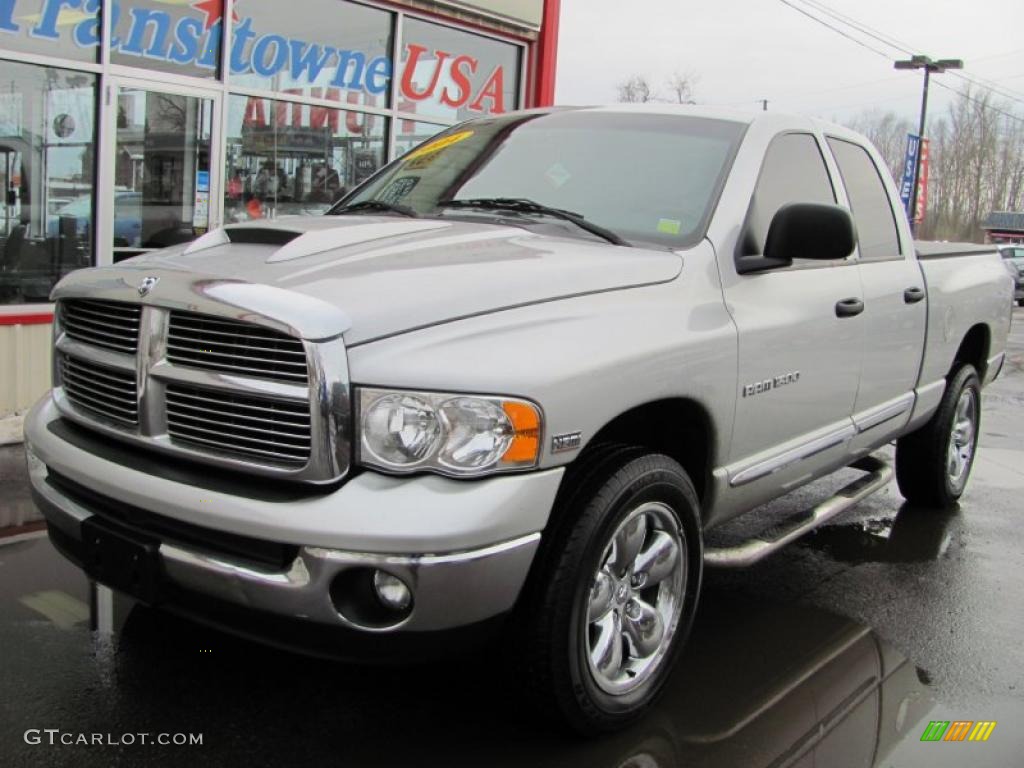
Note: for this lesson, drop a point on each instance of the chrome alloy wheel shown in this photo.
(635, 599)
(961, 441)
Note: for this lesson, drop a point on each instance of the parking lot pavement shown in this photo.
(842, 648)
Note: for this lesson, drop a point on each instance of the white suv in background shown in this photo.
(1013, 256)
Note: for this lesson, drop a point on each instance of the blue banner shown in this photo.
(909, 165)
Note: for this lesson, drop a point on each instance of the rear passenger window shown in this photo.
(876, 225)
(793, 172)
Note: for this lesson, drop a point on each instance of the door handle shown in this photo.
(913, 295)
(849, 307)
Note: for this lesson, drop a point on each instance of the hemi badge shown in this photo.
(570, 441)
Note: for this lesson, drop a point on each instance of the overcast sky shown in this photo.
(745, 50)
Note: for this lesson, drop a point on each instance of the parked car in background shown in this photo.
(127, 217)
(1013, 257)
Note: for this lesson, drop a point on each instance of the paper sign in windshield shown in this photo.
(425, 155)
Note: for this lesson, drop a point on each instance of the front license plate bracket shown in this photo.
(123, 561)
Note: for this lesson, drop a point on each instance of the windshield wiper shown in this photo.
(371, 206)
(522, 205)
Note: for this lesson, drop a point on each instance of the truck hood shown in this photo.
(390, 275)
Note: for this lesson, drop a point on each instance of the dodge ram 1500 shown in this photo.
(509, 384)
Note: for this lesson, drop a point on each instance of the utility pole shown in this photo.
(929, 66)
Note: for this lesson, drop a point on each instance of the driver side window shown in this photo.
(793, 172)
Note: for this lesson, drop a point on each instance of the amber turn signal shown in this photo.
(525, 446)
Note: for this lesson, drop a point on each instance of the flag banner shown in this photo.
(922, 183)
(909, 163)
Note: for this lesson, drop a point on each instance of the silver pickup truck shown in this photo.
(509, 385)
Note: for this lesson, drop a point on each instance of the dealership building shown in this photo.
(130, 125)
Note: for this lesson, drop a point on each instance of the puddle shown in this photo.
(915, 535)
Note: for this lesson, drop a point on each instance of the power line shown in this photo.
(968, 97)
(1000, 55)
(906, 47)
(899, 45)
(981, 82)
(871, 32)
(880, 37)
(838, 31)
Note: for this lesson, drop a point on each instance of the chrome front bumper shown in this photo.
(463, 583)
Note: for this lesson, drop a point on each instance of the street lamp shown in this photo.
(929, 66)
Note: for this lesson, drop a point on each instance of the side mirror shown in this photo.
(804, 231)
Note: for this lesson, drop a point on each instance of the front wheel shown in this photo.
(934, 462)
(611, 605)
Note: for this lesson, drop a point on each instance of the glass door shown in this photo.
(161, 183)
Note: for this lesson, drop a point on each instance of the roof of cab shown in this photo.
(746, 116)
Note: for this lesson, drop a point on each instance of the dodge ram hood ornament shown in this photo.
(147, 285)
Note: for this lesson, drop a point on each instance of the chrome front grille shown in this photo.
(109, 324)
(107, 392)
(218, 344)
(240, 425)
(206, 387)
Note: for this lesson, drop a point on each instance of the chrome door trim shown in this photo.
(876, 415)
(769, 466)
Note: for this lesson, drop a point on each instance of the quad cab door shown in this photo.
(894, 296)
(800, 335)
(159, 185)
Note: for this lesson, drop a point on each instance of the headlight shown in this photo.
(447, 433)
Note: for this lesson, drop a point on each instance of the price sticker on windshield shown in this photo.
(425, 155)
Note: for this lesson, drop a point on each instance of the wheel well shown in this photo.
(678, 428)
(974, 350)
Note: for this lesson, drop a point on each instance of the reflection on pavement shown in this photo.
(914, 535)
(760, 684)
(18, 515)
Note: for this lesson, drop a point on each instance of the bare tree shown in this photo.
(976, 162)
(680, 85)
(636, 90)
(888, 132)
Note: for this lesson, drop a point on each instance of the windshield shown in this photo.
(646, 178)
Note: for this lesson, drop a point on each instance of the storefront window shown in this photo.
(411, 133)
(47, 156)
(454, 75)
(69, 30)
(176, 37)
(161, 170)
(330, 50)
(287, 158)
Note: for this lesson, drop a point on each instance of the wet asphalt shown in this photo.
(838, 651)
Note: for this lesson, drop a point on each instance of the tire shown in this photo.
(584, 597)
(934, 462)
(1020, 302)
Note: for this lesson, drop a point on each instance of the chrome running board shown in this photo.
(877, 475)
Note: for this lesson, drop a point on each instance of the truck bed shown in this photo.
(931, 249)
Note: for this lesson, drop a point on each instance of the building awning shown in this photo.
(1005, 221)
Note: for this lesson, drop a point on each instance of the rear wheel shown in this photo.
(610, 606)
(934, 462)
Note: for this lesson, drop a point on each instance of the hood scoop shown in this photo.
(262, 235)
(275, 236)
(327, 235)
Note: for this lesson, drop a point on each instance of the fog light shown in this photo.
(391, 591)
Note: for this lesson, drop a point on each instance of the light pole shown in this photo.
(929, 66)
